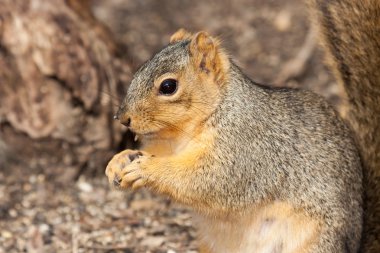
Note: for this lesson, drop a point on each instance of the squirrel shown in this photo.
(265, 169)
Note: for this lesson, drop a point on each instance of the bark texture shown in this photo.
(61, 74)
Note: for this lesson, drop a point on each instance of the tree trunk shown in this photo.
(60, 79)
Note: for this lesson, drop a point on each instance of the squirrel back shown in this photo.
(350, 33)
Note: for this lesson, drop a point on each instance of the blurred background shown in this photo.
(65, 66)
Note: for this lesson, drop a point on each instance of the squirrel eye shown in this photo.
(168, 87)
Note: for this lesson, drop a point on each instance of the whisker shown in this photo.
(183, 132)
(112, 96)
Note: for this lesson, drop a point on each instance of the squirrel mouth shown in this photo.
(145, 136)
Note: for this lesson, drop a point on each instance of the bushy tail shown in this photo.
(350, 32)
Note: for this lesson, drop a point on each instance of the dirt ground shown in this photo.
(39, 214)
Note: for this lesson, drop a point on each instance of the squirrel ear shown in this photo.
(179, 35)
(208, 56)
(202, 42)
(202, 49)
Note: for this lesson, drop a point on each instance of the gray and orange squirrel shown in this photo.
(265, 169)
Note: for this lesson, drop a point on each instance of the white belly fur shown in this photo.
(273, 228)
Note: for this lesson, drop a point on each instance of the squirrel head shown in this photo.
(178, 88)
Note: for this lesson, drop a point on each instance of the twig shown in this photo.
(107, 248)
(75, 239)
(297, 66)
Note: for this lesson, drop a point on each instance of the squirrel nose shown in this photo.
(126, 122)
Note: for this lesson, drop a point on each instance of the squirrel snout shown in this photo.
(126, 121)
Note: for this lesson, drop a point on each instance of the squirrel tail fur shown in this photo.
(350, 33)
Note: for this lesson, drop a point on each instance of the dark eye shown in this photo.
(168, 87)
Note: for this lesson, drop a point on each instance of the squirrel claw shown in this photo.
(133, 175)
(133, 156)
(124, 170)
(116, 181)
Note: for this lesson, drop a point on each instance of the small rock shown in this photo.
(283, 21)
(84, 186)
(12, 213)
(44, 228)
(153, 241)
(144, 204)
(33, 179)
(6, 234)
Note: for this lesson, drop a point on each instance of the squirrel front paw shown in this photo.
(125, 170)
